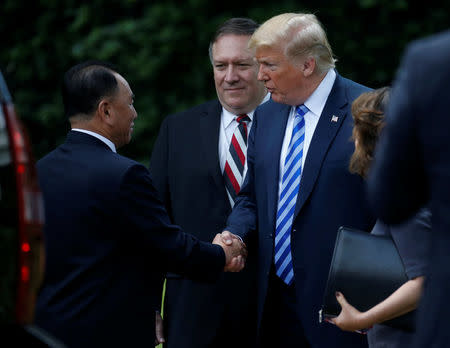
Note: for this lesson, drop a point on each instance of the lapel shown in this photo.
(321, 141)
(209, 133)
(274, 142)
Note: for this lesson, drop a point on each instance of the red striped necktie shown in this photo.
(237, 153)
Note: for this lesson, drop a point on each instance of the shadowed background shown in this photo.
(161, 47)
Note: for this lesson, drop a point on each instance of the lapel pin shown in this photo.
(334, 118)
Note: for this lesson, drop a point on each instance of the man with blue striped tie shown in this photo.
(298, 190)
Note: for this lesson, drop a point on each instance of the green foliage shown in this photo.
(161, 47)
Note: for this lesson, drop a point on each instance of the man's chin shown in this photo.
(276, 98)
(237, 104)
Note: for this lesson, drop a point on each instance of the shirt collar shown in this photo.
(316, 102)
(228, 117)
(98, 136)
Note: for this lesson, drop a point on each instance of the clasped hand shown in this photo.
(235, 251)
(350, 319)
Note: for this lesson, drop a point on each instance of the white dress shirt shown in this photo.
(315, 104)
(98, 136)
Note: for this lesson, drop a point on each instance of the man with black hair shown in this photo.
(198, 164)
(108, 238)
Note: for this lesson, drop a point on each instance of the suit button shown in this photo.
(294, 230)
(270, 235)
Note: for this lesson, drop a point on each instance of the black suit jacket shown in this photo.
(108, 241)
(412, 166)
(186, 171)
(329, 197)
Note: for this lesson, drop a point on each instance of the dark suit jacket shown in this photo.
(108, 241)
(329, 197)
(186, 171)
(412, 165)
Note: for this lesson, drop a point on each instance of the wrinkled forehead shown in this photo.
(231, 46)
(265, 52)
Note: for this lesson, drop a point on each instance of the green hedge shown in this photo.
(161, 48)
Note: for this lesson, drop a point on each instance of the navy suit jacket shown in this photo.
(329, 197)
(108, 241)
(412, 166)
(185, 169)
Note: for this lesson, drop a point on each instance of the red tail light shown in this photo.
(31, 217)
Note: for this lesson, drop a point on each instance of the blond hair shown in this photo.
(300, 35)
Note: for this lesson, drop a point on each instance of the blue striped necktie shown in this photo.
(288, 197)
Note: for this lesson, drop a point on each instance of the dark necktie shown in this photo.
(236, 156)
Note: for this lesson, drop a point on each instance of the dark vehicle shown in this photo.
(21, 241)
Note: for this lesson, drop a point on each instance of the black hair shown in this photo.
(234, 26)
(85, 84)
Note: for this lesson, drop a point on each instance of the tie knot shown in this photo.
(301, 110)
(242, 118)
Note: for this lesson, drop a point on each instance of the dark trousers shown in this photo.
(281, 326)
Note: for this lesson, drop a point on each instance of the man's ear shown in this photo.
(104, 110)
(308, 66)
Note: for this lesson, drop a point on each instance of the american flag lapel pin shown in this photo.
(334, 118)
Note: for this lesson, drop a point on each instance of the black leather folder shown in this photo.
(367, 269)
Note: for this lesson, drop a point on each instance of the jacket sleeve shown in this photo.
(413, 241)
(146, 218)
(159, 162)
(397, 182)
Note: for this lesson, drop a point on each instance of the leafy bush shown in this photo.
(162, 49)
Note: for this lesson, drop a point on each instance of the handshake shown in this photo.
(235, 251)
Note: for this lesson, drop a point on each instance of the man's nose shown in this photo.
(262, 76)
(231, 74)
